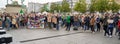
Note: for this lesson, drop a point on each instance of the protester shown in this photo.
(86, 22)
(82, 21)
(110, 26)
(116, 22)
(92, 24)
(68, 23)
(8, 23)
(119, 29)
(57, 24)
(54, 21)
(76, 20)
(98, 23)
(3, 20)
(105, 26)
(49, 17)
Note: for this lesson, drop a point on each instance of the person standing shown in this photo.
(98, 23)
(82, 21)
(54, 21)
(92, 23)
(14, 22)
(72, 19)
(0, 22)
(118, 29)
(105, 26)
(87, 21)
(45, 21)
(116, 18)
(68, 23)
(3, 20)
(8, 22)
(49, 20)
(57, 24)
(110, 26)
(76, 22)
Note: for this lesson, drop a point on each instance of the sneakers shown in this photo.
(110, 36)
(93, 32)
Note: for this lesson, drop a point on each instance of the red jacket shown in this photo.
(119, 24)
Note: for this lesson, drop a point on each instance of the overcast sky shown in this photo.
(4, 2)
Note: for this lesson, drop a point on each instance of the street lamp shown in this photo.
(71, 6)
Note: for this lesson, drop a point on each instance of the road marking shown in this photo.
(48, 37)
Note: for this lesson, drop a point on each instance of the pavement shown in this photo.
(51, 36)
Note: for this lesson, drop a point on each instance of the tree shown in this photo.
(65, 6)
(99, 5)
(114, 6)
(45, 8)
(55, 7)
(42, 9)
(104, 5)
(80, 6)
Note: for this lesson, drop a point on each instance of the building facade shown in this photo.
(2, 10)
(34, 7)
(14, 8)
(72, 3)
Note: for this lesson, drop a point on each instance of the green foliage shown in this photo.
(65, 6)
(55, 7)
(99, 5)
(80, 6)
(45, 8)
(42, 9)
(104, 5)
(114, 6)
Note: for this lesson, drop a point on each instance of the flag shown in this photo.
(21, 12)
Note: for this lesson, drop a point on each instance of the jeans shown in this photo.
(110, 30)
(76, 23)
(106, 30)
(68, 26)
(45, 24)
(98, 26)
(116, 30)
(57, 26)
(85, 27)
(8, 27)
(3, 24)
(92, 28)
(63, 22)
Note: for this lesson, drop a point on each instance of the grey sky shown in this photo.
(4, 2)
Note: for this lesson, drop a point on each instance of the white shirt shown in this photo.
(110, 21)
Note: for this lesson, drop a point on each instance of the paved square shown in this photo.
(49, 36)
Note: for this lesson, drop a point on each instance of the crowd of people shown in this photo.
(106, 22)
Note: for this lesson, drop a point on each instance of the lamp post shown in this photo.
(7, 1)
(71, 6)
